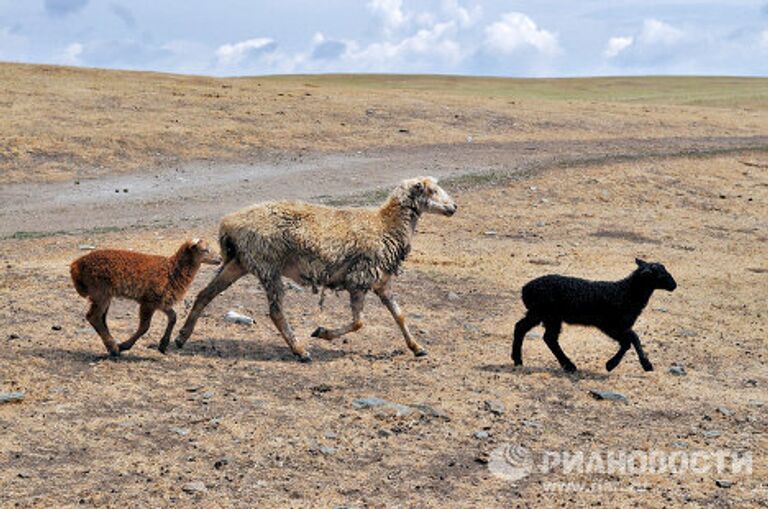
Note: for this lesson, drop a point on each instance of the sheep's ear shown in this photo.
(417, 189)
(640, 263)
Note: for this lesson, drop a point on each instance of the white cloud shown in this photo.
(616, 45)
(463, 16)
(233, 54)
(658, 32)
(72, 53)
(516, 31)
(764, 39)
(391, 11)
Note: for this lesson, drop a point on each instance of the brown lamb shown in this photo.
(155, 282)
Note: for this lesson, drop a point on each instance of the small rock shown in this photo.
(607, 395)
(24, 475)
(235, 317)
(680, 444)
(57, 390)
(86, 247)
(661, 310)
(481, 435)
(723, 483)
(13, 336)
(383, 433)
(214, 423)
(194, 487)
(180, 431)
(327, 450)
(687, 333)
(471, 327)
(494, 406)
(56, 327)
(403, 130)
(293, 286)
(221, 463)
(677, 370)
(453, 297)
(725, 411)
(330, 435)
(194, 388)
(207, 395)
(533, 335)
(11, 397)
(711, 433)
(429, 411)
(531, 424)
(490, 233)
(368, 403)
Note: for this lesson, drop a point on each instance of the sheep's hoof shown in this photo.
(610, 366)
(305, 358)
(179, 341)
(647, 366)
(114, 354)
(570, 368)
(125, 346)
(421, 353)
(320, 332)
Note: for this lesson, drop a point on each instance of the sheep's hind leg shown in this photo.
(528, 322)
(145, 319)
(356, 302)
(273, 286)
(388, 300)
(229, 273)
(97, 317)
(551, 333)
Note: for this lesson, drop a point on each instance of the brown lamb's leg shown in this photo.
(145, 319)
(356, 302)
(97, 317)
(228, 274)
(171, 314)
(385, 294)
(273, 286)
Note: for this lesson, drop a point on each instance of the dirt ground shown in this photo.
(235, 412)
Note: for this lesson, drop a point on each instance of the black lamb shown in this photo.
(611, 306)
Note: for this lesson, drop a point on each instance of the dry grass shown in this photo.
(96, 432)
(61, 123)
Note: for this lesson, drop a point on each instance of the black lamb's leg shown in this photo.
(624, 342)
(551, 334)
(528, 322)
(644, 362)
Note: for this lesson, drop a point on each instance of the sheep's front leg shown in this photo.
(385, 294)
(145, 319)
(171, 314)
(528, 322)
(273, 286)
(228, 274)
(356, 302)
(644, 362)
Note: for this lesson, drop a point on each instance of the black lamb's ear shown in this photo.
(640, 263)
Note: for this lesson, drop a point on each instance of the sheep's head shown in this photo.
(656, 275)
(427, 197)
(201, 253)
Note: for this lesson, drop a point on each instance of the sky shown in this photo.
(470, 37)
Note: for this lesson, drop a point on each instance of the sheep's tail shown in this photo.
(74, 271)
(228, 248)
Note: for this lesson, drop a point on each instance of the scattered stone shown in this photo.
(542, 261)
(680, 444)
(24, 475)
(533, 335)
(11, 397)
(86, 247)
(383, 433)
(490, 233)
(221, 463)
(481, 435)
(403, 130)
(453, 297)
(57, 390)
(661, 310)
(687, 333)
(330, 435)
(387, 408)
(293, 286)
(194, 487)
(214, 423)
(725, 411)
(711, 433)
(56, 327)
(429, 411)
(495, 406)
(327, 450)
(607, 395)
(207, 395)
(677, 370)
(750, 382)
(235, 317)
(194, 388)
(471, 327)
(723, 483)
(180, 431)
(531, 424)
(13, 336)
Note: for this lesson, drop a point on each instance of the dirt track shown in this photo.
(193, 194)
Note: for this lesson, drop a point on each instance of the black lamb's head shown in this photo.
(655, 275)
